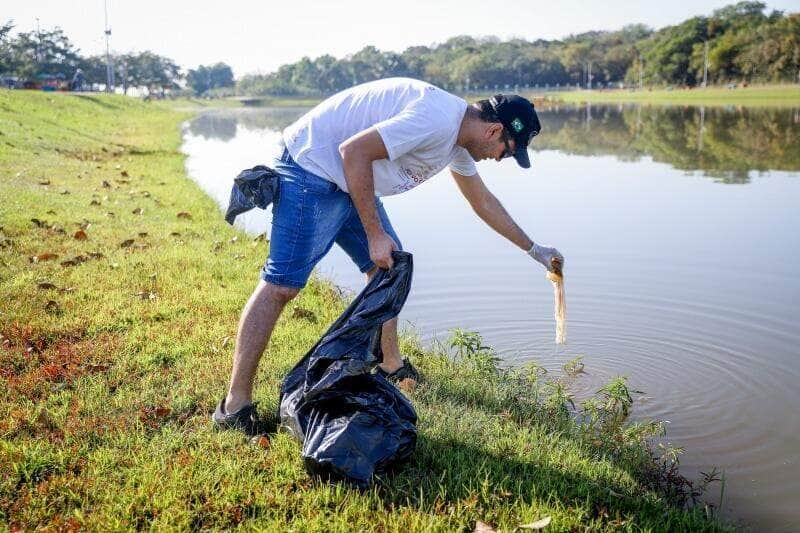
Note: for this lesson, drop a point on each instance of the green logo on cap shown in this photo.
(517, 125)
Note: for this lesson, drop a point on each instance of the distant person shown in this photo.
(377, 139)
(77, 81)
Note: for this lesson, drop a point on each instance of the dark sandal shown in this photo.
(407, 371)
(244, 420)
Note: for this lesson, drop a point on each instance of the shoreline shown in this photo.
(756, 96)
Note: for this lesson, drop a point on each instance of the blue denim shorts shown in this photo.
(310, 214)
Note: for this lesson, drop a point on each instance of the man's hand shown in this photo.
(549, 257)
(381, 247)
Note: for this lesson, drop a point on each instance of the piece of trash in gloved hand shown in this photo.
(352, 423)
(559, 303)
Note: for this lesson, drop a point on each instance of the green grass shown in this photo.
(114, 353)
(763, 96)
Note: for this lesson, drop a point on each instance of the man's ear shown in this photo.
(494, 129)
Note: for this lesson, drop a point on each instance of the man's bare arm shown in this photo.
(358, 152)
(490, 210)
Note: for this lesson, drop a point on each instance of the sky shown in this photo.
(259, 36)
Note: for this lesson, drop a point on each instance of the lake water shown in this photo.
(681, 232)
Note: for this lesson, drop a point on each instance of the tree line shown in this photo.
(737, 43)
(33, 56)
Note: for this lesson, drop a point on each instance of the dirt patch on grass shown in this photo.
(33, 364)
(103, 154)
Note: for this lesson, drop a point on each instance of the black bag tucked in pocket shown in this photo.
(253, 187)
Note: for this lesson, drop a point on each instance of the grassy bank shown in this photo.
(121, 287)
(762, 96)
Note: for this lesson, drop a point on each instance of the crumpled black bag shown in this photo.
(253, 187)
(352, 423)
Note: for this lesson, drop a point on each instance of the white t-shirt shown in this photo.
(417, 121)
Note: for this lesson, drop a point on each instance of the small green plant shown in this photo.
(559, 398)
(533, 371)
(470, 348)
(467, 343)
(615, 403)
(574, 366)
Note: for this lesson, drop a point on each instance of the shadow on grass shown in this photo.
(95, 100)
(450, 477)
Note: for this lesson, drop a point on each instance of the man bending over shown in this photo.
(377, 139)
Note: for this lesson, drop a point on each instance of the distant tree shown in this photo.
(6, 62)
(94, 69)
(150, 70)
(44, 52)
(204, 78)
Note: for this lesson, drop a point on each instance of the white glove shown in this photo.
(550, 258)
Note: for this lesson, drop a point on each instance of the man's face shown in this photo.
(493, 144)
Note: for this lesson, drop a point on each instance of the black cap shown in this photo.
(519, 118)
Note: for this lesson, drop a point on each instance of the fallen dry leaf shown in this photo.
(80, 235)
(539, 524)
(306, 314)
(75, 261)
(483, 527)
(184, 214)
(407, 385)
(47, 256)
(146, 295)
(127, 243)
(262, 441)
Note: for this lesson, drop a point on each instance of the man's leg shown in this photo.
(306, 216)
(392, 360)
(259, 316)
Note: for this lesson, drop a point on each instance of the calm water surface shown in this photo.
(681, 232)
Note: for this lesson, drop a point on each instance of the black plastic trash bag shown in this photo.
(253, 187)
(352, 423)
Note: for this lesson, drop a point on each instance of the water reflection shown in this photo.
(221, 125)
(725, 143)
